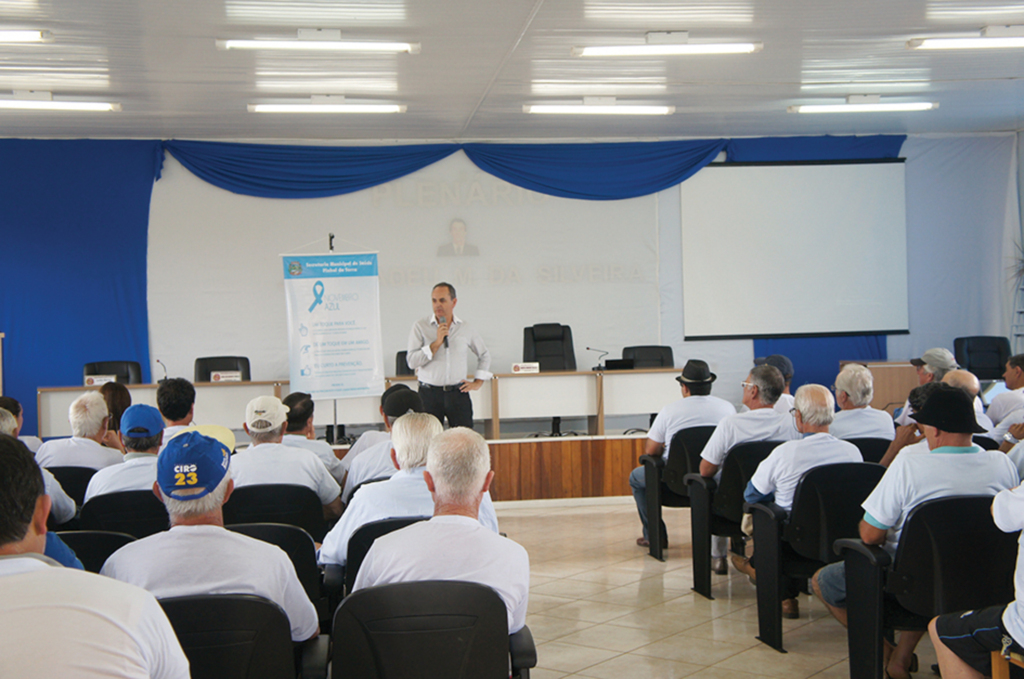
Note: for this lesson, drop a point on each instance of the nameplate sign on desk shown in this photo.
(97, 380)
(226, 376)
(525, 368)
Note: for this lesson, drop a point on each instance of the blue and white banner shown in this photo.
(334, 338)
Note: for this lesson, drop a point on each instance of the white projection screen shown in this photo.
(794, 249)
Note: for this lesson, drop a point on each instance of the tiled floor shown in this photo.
(601, 608)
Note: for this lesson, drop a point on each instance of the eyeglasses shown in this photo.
(792, 411)
(747, 384)
(833, 388)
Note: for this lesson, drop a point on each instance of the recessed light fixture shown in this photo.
(600, 106)
(18, 35)
(318, 39)
(327, 104)
(992, 37)
(43, 101)
(864, 103)
(671, 43)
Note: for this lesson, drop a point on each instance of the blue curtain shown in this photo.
(816, 359)
(73, 286)
(782, 149)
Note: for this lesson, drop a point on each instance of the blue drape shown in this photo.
(816, 359)
(74, 290)
(789, 149)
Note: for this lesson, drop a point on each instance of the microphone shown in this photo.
(165, 369)
(443, 321)
(603, 354)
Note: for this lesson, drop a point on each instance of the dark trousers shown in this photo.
(454, 404)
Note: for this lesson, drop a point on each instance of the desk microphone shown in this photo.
(603, 354)
(165, 369)
(443, 321)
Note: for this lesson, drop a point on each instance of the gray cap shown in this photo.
(938, 357)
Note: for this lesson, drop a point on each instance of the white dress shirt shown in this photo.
(449, 365)
(375, 463)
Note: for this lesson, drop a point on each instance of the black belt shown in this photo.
(449, 387)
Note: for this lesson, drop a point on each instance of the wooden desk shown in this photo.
(893, 381)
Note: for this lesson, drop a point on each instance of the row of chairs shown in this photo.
(130, 372)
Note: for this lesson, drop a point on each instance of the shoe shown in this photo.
(791, 608)
(719, 566)
(643, 542)
(742, 564)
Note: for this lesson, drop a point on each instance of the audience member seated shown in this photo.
(118, 400)
(454, 545)
(300, 433)
(785, 366)
(198, 555)
(61, 622)
(62, 507)
(12, 406)
(267, 460)
(376, 462)
(931, 367)
(856, 419)
(910, 438)
(1005, 403)
(141, 434)
(176, 400)
(953, 467)
(968, 381)
(88, 415)
(761, 392)
(372, 437)
(697, 408)
(779, 474)
(964, 641)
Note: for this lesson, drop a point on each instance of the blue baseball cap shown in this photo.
(191, 461)
(141, 421)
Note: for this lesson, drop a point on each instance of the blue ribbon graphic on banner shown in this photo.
(318, 291)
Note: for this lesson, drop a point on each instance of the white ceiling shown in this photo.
(481, 60)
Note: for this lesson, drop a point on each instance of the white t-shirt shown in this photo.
(1004, 404)
(278, 463)
(912, 479)
(763, 424)
(33, 443)
(138, 472)
(1016, 455)
(404, 494)
(367, 440)
(452, 548)
(692, 411)
(63, 622)
(919, 448)
(187, 560)
(77, 452)
(783, 405)
(781, 471)
(1008, 513)
(322, 450)
(861, 423)
(169, 433)
(372, 464)
(62, 507)
(1003, 428)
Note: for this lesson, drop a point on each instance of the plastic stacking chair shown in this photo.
(277, 503)
(872, 450)
(136, 512)
(985, 443)
(94, 547)
(74, 481)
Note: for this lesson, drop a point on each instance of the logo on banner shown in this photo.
(294, 268)
(318, 292)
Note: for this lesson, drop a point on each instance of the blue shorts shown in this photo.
(832, 584)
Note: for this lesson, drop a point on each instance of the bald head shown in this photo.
(963, 379)
(815, 405)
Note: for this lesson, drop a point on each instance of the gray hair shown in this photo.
(858, 383)
(8, 423)
(936, 373)
(87, 413)
(815, 405)
(272, 436)
(141, 444)
(769, 382)
(411, 435)
(186, 509)
(458, 461)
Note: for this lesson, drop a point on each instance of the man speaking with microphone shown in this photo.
(438, 351)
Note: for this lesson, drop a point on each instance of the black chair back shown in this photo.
(429, 630)
(232, 636)
(936, 566)
(364, 537)
(985, 356)
(871, 449)
(737, 470)
(649, 356)
(127, 372)
(827, 507)
(277, 503)
(985, 443)
(135, 512)
(684, 448)
(296, 543)
(74, 481)
(211, 364)
(402, 365)
(549, 344)
(94, 547)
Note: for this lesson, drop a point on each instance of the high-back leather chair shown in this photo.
(94, 547)
(277, 503)
(549, 344)
(402, 365)
(985, 356)
(135, 512)
(211, 364)
(127, 372)
(649, 356)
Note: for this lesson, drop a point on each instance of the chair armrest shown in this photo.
(772, 510)
(697, 480)
(334, 578)
(875, 555)
(655, 460)
(522, 651)
(315, 653)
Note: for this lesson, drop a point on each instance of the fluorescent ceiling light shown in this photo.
(595, 109)
(992, 37)
(317, 39)
(667, 43)
(327, 104)
(864, 103)
(30, 105)
(25, 36)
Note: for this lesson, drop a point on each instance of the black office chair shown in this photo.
(985, 356)
(402, 365)
(871, 449)
(717, 508)
(665, 484)
(429, 630)
(936, 570)
(127, 372)
(241, 636)
(826, 508)
(135, 512)
(74, 481)
(364, 537)
(94, 547)
(649, 356)
(549, 344)
(277, 503)
(211, 364)
(985, 443)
